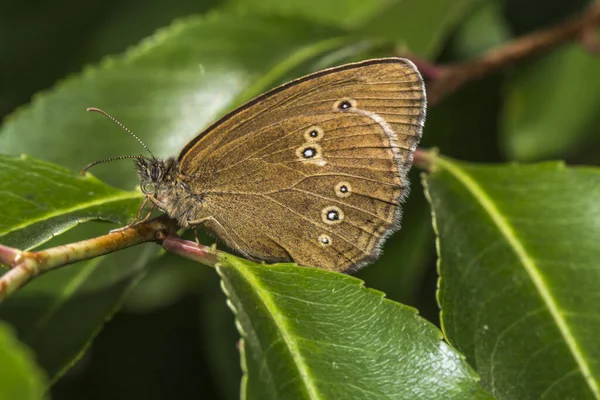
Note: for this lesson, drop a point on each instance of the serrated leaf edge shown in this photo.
(438, 263)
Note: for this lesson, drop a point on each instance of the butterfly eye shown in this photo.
(148, 187)
(155, 173)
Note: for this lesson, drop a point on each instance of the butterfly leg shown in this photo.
(137, 219)
(196, 235)
(194, 224)
(229, 239)
(147, 217)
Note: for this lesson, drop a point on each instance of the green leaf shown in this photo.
(551, 105)
(21, 378)
(314, 334)
(421, 25)
(40, 199)
(518, 248)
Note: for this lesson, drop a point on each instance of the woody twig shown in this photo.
(445, 80)
(26, 265)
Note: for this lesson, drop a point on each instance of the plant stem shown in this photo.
(192, 250)
(25, 265)
(424, 158)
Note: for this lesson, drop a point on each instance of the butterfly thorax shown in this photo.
(161, 183)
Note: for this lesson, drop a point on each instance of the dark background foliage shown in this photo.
(174, 336)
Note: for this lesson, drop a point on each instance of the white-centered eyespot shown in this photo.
(313, 134)
(311, 152)
(332, 215)
(325, 240)
(343, 189)
(344, 104)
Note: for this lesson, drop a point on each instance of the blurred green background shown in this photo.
(174, 337)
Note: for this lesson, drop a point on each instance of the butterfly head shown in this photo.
(157, 177)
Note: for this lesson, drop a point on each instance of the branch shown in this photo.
(444, 80)
(26, 265)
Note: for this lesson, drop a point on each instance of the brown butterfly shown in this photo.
(312, 171)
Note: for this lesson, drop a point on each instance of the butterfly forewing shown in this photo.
(313, 171)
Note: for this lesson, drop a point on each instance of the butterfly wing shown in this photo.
(313, 171)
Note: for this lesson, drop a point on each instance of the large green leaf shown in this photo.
(399, 273)
(314, 334)
(518, 248)
(551, 105)
(21, 378)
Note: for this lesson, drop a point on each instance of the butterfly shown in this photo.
(313, 171)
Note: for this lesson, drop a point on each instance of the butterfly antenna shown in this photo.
(90, 165)
(116, 121)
